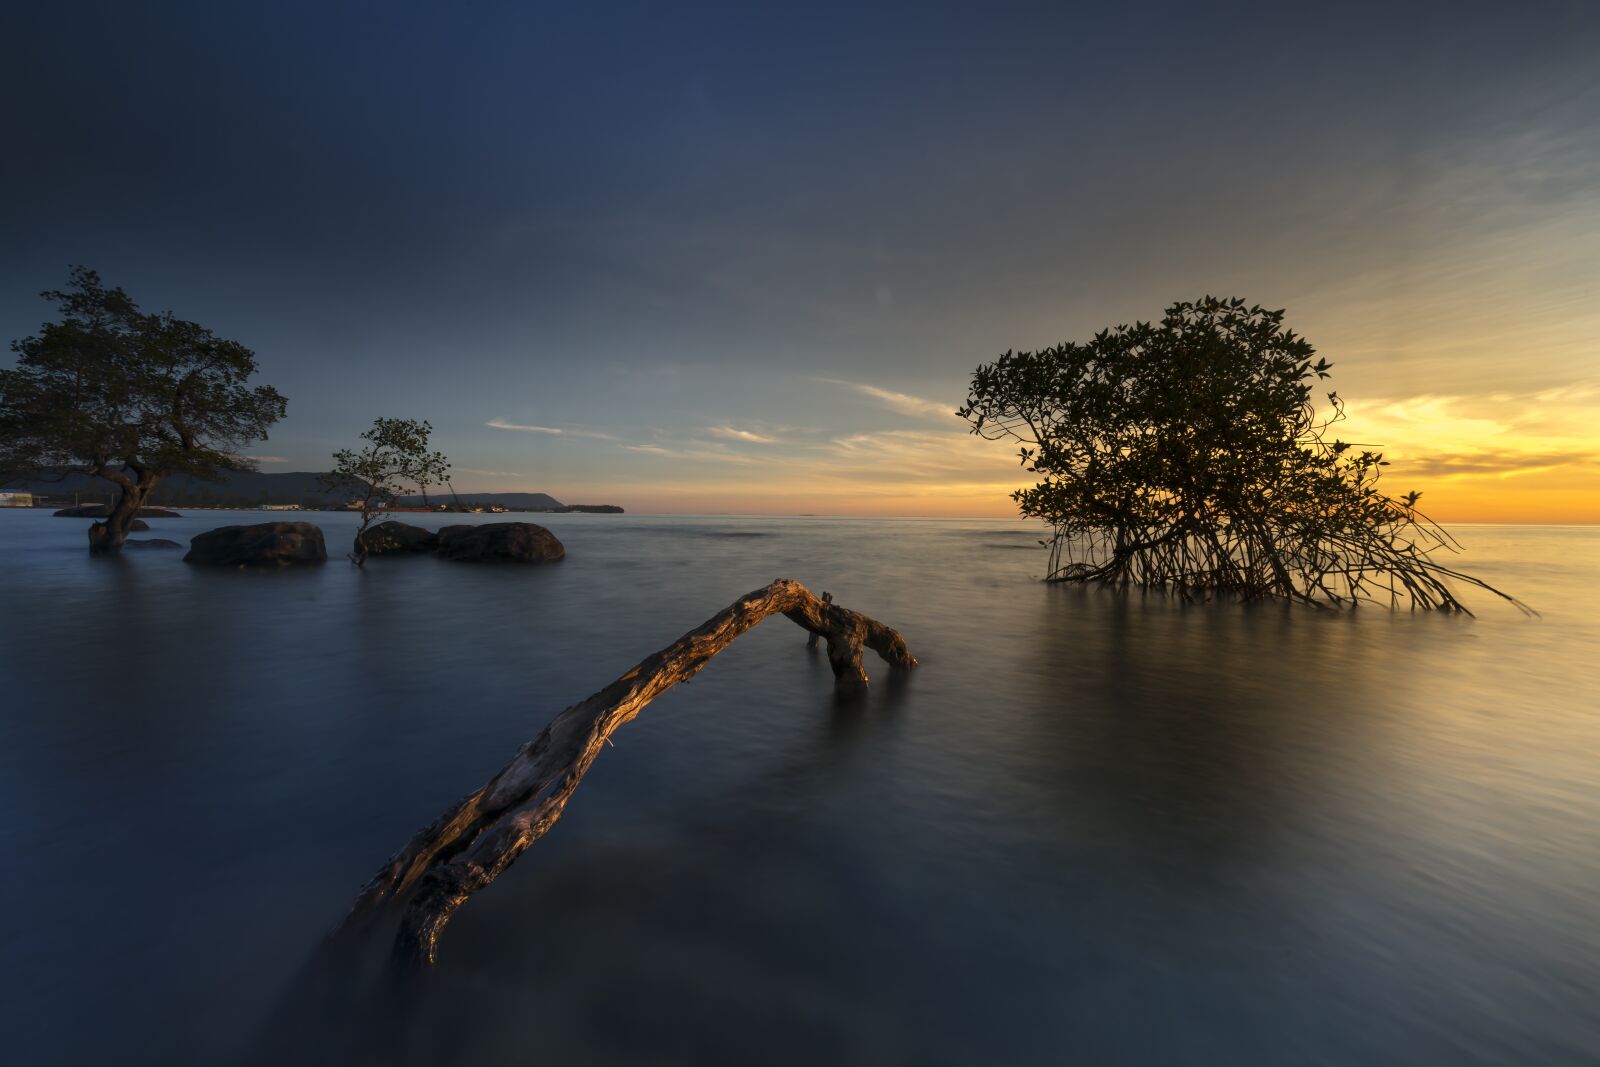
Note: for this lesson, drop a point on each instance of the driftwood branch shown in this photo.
(477, 838)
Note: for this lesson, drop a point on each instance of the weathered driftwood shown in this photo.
(477, 838)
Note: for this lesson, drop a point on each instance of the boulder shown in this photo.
(138, 526)
(399, 539)
(263, 544)
(500, 542)
(151, 542)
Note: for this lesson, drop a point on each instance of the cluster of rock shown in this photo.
(506, 542)
(399, 539)
(263, 544)
(284, 543)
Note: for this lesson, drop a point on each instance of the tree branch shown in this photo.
(102, 469)
(478, 837)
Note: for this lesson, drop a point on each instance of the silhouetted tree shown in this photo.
(1187, 454)
(395, 459)
(116, 393)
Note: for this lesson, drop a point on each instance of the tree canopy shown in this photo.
(129, 396)
(394, 461)
(1189, 454)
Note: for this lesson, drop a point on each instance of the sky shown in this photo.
(744, 258)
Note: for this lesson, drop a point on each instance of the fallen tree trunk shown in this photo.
(477, 838)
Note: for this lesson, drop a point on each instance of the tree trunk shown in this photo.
(107, 535)
(476, 839)
(358, 554)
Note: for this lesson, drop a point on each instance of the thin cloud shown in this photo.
(1493, 464)
(267, 459)
(711, 454)
(904, 403)
(735, 434)
(1498, 435)
(917, 453)
(520, 427)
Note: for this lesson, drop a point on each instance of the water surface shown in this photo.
(1089, 828)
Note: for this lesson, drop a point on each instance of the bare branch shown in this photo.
(478, 837)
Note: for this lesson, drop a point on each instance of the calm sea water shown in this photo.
(1089, 828)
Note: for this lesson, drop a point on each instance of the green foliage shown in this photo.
(1188, 454)
(129, 396)
(394, 461)
(110, 388)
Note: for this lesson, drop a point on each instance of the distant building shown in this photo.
(280, 507)
(16, 500)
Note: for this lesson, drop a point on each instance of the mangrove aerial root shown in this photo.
(478, 837)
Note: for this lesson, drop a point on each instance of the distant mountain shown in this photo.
(517, 501)
(249, 489)
(239, 488)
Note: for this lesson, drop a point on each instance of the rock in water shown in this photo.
(512, 542)
(158, 513)
(399, 539)
(151, 542)
(264, 544)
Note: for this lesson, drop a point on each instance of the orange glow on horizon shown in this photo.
(1491, 457)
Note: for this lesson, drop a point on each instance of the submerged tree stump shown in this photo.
(476, 839)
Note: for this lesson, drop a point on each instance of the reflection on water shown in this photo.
(1089, 828)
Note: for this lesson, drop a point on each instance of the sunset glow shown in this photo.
(730, 282)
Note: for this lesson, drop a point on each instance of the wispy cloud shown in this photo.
(710, 453)
(561, 431)
(1497, 435)
(493, 474)
(1494, 464)
(904, 403)
(918, 455)
(266, 459)
(520, 427)
(735, 434)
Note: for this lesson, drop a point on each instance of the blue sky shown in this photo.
(743, 258)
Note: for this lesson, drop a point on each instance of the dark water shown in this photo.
(1087, 829)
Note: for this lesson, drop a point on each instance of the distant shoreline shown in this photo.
(586, 509)
(565, 509)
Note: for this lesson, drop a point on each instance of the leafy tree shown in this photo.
(395, 459)
(131, 397)
(1187, 454)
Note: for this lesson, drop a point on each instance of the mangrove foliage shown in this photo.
(1189, 455)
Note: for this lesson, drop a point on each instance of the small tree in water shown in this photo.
(1188, 455)
(396, 459)
(116, 393)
